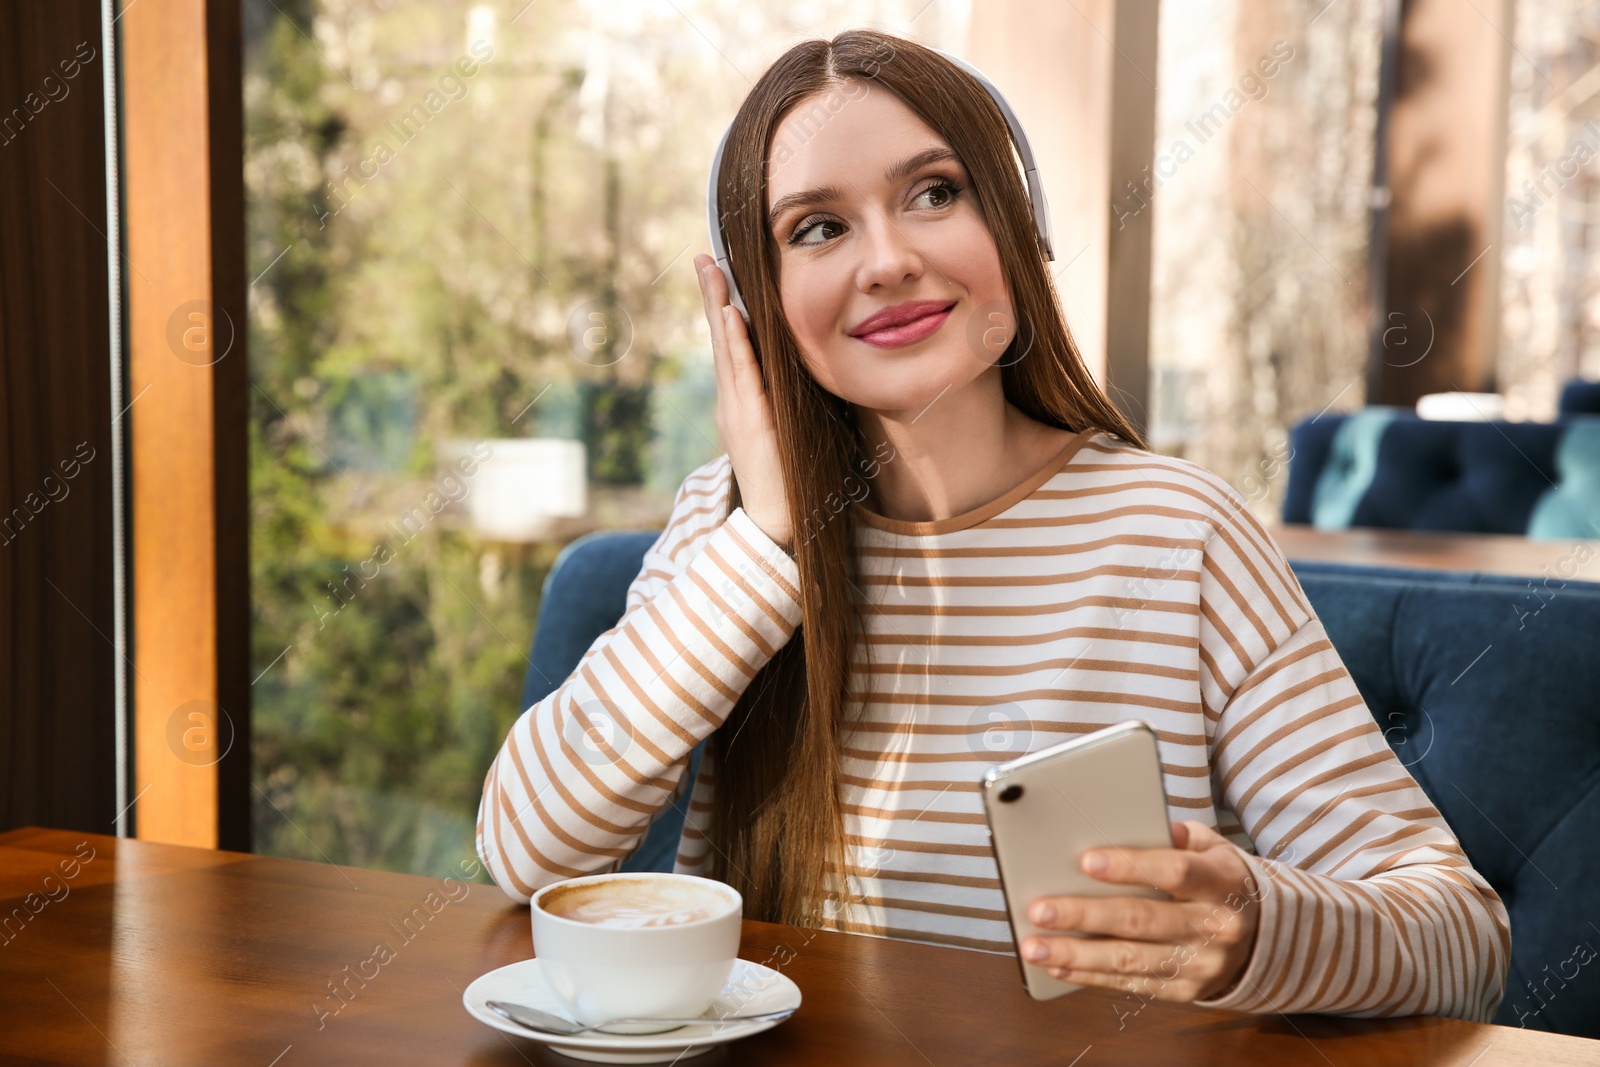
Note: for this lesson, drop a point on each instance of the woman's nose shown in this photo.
(890, 255)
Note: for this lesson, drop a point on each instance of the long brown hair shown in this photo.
(777, 824)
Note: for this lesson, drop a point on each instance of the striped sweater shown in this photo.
(1113, 583)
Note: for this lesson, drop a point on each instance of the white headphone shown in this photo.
(1041, 208)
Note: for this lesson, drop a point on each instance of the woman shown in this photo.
(935, 545)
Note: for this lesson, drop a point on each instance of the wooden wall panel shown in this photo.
(188, 376)
(1081, 77)
(1055, 70)
(57, 661)
(1130, 154)
(1445, 205)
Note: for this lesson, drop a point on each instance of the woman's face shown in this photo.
(859, 234)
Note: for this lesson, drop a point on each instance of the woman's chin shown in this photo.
(903, 404)
(911, 384)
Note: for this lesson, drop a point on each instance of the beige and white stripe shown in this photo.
(1112, 584)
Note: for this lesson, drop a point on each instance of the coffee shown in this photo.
(636, 944)
(635, 902)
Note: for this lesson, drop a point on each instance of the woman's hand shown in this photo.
(744, 417)
(1191, 947)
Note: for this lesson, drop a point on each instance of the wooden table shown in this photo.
(1518, 557)
(158, 954)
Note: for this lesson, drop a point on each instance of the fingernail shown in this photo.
(1095, 862)
(1037, 952)
(1044, 914)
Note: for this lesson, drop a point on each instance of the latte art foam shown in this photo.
(634, 903)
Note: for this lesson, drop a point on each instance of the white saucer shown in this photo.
(751, 988)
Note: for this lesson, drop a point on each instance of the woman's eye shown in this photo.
(944, 192)
(797, 238)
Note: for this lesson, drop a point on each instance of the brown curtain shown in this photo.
(57, 678)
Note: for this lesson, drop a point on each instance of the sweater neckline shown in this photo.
(983, 512)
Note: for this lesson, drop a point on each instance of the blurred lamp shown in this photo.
(526, 484)
(1461, 407)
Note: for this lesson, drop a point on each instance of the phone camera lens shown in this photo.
(1010, 793)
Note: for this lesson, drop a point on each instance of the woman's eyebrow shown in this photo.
(826, 193)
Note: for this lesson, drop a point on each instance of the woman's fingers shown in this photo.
(730, 344)
(730, 330)
(1181, 968)
(1179, 872)
(1132, 917)
(1184, 948)
(703, 265)
(1098, 954)
(741, 354)
(1195, 836)
(1208, 868)
(744, 417)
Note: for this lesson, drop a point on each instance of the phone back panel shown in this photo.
(1102, 789)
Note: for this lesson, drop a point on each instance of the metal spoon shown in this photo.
(546, 1023)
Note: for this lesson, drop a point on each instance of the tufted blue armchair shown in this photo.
(1384, 466)
(1580, 397)
(1487, 688)
(584, 595)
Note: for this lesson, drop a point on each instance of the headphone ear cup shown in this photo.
(734, 297)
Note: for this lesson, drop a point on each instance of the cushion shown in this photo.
(1485, 688)
(1580, 397)
(1571, 507)
(1384, 467)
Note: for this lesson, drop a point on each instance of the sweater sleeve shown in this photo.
(582, 772)
(1369, 907)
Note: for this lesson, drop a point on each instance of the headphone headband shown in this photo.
(1041, 208)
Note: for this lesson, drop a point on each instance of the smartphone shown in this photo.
(1047, 808)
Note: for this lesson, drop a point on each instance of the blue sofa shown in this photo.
(1579, 397)
(1488, 688)
(1384, 466)
(586, 591)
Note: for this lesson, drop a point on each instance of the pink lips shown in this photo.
(907, 332)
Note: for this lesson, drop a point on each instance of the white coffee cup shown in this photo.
(602, 970)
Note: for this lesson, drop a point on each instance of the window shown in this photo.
(475, 334)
